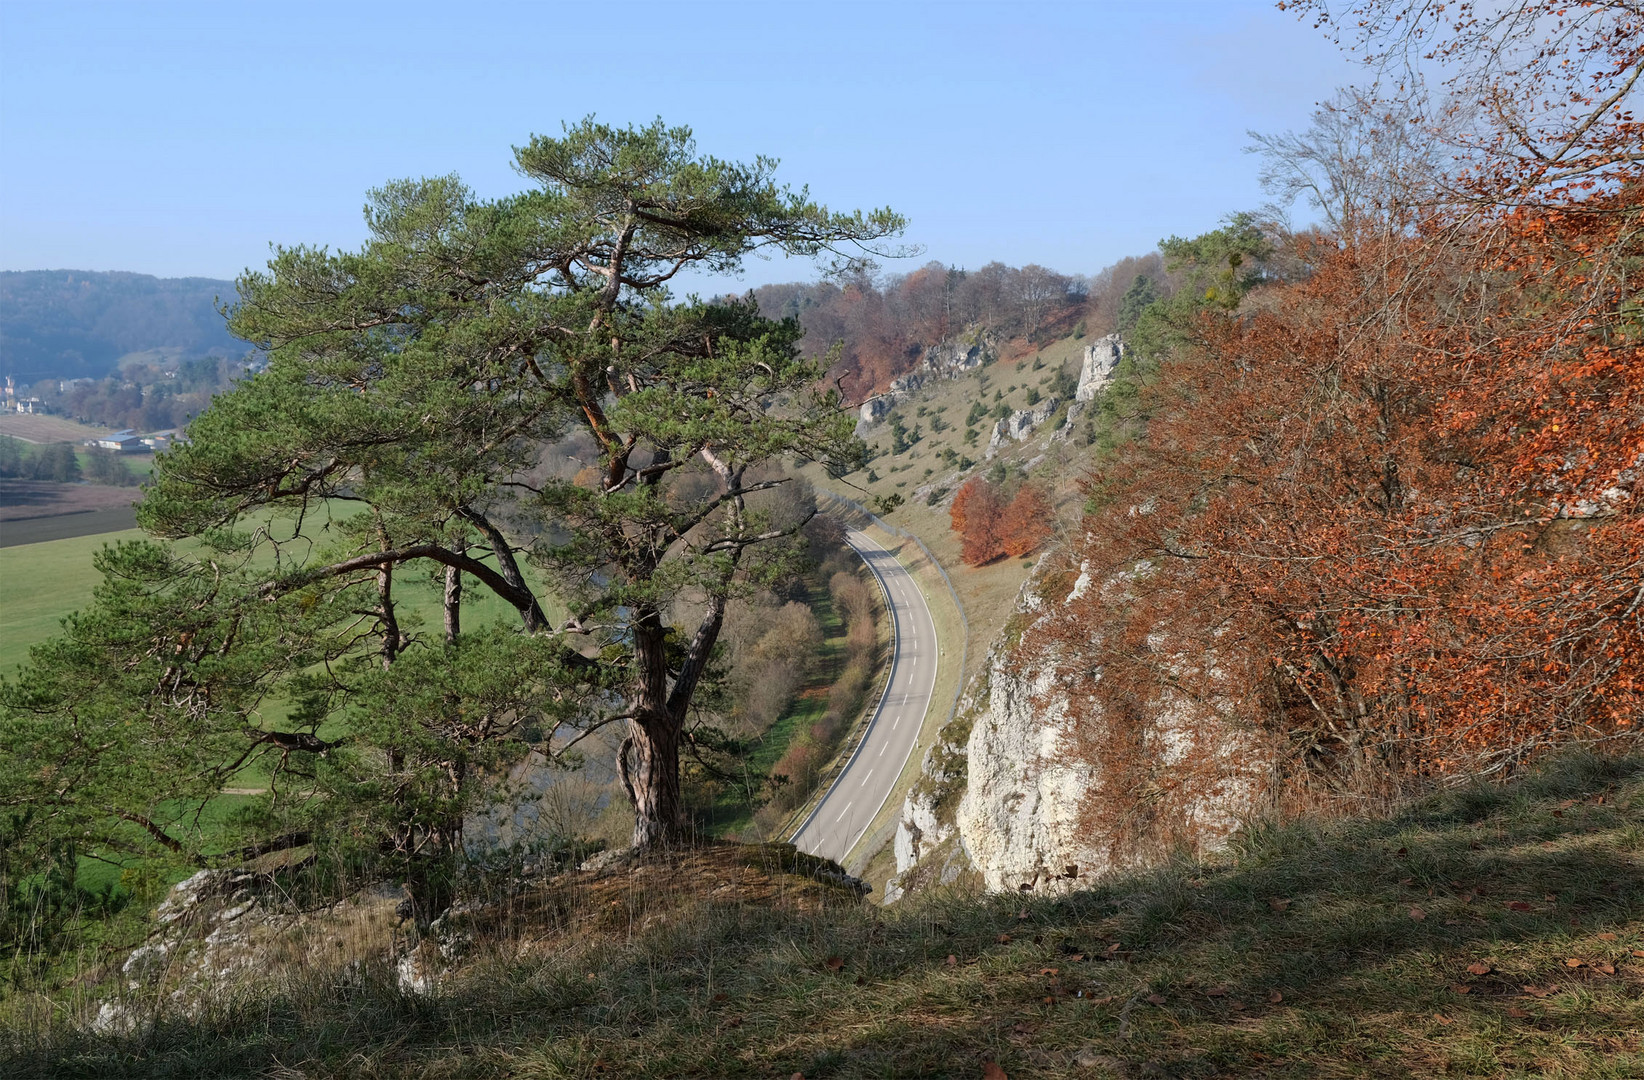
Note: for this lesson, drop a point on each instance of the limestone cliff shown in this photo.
(1020, 806)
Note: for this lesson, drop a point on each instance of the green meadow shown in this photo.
(41, 583)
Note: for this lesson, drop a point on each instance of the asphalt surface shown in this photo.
(853, 801)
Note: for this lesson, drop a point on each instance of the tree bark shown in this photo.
(453, 604)
(654, 733)
(653, 777)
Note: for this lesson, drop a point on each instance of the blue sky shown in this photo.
(182, 138)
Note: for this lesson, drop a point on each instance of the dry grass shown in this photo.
(38, 428)
(1438, 942)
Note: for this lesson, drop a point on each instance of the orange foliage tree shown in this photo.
(1397, 500)
(990, 527)
(1028, 522)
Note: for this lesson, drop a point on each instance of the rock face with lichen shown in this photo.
(1006, 793)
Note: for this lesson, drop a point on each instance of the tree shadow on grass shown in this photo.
(1436, 941)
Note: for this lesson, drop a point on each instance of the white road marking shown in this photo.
(841, 813)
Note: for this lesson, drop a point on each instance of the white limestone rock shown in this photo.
(1101, 358)
(1019, 818)
(1022, 822)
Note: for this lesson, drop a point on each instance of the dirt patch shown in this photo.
(35, 428)
(33, 512)
(22, 499)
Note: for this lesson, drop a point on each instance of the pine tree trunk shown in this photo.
(653, 779)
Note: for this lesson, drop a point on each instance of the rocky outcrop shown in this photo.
(949, 360)
(220, 928)
(1101, 358)
(1019, 808)
(1021, 424)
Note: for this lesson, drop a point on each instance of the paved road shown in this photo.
(850, 805)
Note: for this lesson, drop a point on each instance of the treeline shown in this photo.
(68, 324)
(60, 463)
(143, 396)
(1376, 499)
(883, 324)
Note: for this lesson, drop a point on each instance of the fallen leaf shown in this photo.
(1566, 804)
(1516, 1013)
(1606, 936)
(1276, 904)
(1573, 962)
(1518, 905)
(721, 997)
(1216, 991)
(1050, 971)
(1460, 988)
(1049, 1000)
(992, 1071)
(1550, 898)
(1540, 991)
(1113, 948)
(1004, 939)
(1077, 957)
(1441, 1018)
(1156, 999)
(1638, 952)
(1106, 999)
(1479, 967)
(735, 1021)
(1558, 813)
(1022, 915)
(797, 1076)
(1417, 914)
(1603, 967)
(1407, 881)
(1275, 997)
(833, 963)
(1402, 852)
(952, 960)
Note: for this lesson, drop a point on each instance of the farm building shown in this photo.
(126, 442)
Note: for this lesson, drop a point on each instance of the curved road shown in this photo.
(851, 804)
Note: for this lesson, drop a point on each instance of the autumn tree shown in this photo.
(1027, 522)
(1395, 494)
(412, 389)
(974, 515)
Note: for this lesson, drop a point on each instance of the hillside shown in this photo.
(71, 324)
(1491, 931)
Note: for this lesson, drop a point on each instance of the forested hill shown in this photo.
(67, 324)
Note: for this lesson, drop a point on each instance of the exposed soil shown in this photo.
(20, 499)
(32, 512)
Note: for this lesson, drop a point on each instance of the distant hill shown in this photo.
(67, 324)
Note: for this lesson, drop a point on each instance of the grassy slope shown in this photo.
(1321, 950)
